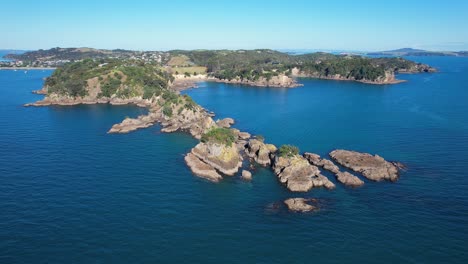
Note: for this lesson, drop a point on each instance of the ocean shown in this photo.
(70, 192)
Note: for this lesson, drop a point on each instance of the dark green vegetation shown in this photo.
(125, 79)
(127, 74)
(219, 135)
(170, 99)
(255, 64)
(288, 151)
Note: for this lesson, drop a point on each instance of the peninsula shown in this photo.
(261, 67)
(223, 150)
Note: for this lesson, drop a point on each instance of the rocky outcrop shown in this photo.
(281, 81)
(225, 159)
(299, 175)
(301, 205)
(246, 175)
(195, 121)
(372, 167)
(54, 99)
(226, 122)
(201, 169)
(348, 179)
(132, 124)
(260, 152)
(417, 68)
(315, 159)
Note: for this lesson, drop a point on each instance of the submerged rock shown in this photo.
(246, 175)
(301, 204)
(299, 175)
(372, 167)
(201, 169)
(348, 179)
(315, 159)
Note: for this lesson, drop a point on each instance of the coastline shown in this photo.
(396, 81)
(28, 68)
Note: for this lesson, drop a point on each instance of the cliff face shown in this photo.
(276, 81)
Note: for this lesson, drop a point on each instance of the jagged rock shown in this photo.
(348, 179)
(372, 167)
(225, 159)
(240, 135)
(315, 159)
(299, 175)
(132, 124)
(322, 181)
(226, 122)
(301, 204)
(246, 175)
(196, 121)
(260, 151)
(201, 169)
(244, 135)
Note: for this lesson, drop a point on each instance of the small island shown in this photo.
(224, 151)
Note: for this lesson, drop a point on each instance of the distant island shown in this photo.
(153, 80)
(417, 52)
(260, 67)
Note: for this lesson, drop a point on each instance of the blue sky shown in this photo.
(236, 24)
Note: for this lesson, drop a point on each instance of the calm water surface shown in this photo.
(71, 193)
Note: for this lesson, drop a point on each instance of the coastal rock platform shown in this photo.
(373, 167)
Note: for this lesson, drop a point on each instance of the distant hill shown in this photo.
(417, 52)
(3, 53)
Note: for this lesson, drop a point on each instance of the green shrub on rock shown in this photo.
(288, 151)
(223, 136)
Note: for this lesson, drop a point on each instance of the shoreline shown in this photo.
(28, 68)
(396, 81)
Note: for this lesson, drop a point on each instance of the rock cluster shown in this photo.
(315, 159)
(372, 167)
(196, 121)
(260, 152)
(299, 175)
(301, 205)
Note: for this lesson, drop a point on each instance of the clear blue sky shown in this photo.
(236, 24)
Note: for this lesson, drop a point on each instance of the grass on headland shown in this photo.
(223, 136)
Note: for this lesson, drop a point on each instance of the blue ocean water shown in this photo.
(71, 193)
